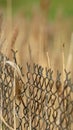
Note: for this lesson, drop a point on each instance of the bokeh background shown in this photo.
(42, 27)
(27, 5)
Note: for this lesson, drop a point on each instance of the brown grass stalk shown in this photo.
(14, 92)
(2, 119)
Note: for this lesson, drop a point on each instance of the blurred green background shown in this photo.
(26, 5)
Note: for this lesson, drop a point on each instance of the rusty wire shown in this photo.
(41, 103)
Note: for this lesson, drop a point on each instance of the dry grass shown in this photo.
(35, 38)
(37, 41)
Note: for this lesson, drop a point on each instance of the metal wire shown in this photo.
(41, 103)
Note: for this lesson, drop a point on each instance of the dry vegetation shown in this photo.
(38, 40)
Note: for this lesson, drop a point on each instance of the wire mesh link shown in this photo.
(41, 103)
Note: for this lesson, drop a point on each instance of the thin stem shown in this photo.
(69, 61)
(2, 119)
(63, 60)
(14, 103)
(48, 60)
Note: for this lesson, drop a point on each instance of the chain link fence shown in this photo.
(40, 103)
